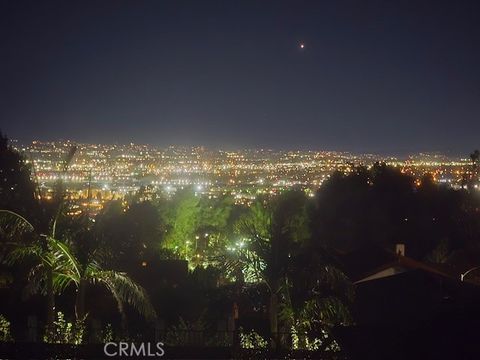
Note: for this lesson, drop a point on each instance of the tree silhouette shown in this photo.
(71, 271)
(474, 157)
(274, 233)
(17, 190)
(41, 227)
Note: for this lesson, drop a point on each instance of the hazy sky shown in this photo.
(376, 76)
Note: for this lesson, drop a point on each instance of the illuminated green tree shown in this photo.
(182, 221)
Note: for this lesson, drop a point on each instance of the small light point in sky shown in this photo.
(302, 46)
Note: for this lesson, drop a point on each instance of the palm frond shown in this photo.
(333, 278)
(36, 281)
(126, 290)
(92, 269)
(329, 311)
(118, 299)
(65, 261)
(22, 253)
(242, 262)
(61, 281)
(13, 224)
(254, 266)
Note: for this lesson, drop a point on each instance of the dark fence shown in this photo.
(111, 351)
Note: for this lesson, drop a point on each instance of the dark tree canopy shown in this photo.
(17, 190)
(382, 206)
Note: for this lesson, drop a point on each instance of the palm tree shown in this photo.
(274, 252)
(318, 297)
(56, 267)
(16, 228)
(123, 289)
(272, 232)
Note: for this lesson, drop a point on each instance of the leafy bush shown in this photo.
(252, 340)
(64, 332)
(5, 334)
(107, 333)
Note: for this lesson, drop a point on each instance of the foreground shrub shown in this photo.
(64, 332)
(5, 334)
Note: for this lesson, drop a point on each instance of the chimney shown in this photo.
(400, 249)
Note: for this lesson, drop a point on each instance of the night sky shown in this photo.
(373, 76)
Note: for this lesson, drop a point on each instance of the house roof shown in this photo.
(403, 264)
(365, 258)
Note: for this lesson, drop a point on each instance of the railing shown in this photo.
(111, 351)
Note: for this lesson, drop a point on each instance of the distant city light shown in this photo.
(111, 172)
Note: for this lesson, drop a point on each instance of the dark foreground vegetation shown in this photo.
(288, 273)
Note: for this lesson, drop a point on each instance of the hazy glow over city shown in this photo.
(113, 171)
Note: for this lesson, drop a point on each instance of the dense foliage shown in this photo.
(273, 269)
